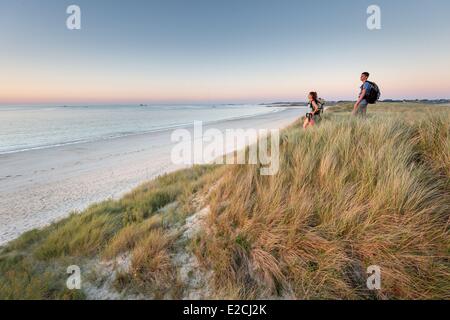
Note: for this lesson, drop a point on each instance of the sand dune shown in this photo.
(41, 186)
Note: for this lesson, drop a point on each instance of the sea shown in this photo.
(25, 128)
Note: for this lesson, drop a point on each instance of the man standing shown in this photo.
(360, 107)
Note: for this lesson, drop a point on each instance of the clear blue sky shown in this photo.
(220, 50)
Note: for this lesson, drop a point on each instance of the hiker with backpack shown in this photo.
(316, 106)
(370, 93)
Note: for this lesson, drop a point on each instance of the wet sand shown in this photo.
(38, 187)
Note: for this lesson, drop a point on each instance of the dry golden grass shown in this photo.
(350, 194)
(151, 264)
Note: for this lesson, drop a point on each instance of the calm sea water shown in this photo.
(26, 128)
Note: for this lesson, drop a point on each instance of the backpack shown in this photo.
(320, 104)
(374, 93)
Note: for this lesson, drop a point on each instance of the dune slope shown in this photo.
(350, 194)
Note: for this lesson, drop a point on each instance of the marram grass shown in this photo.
(350, 193)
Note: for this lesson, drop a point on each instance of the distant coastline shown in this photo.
(333, 102)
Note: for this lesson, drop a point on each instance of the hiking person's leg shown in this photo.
(363, 107)
(305, 123)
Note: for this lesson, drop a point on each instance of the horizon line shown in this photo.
(122, 103)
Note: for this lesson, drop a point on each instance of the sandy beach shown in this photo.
(41, 186)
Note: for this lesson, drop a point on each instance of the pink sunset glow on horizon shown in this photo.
(242, 89)
(262, 53)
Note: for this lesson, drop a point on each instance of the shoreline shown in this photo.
(124, 135)
(42, 186)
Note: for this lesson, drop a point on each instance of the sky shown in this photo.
(220, 51)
